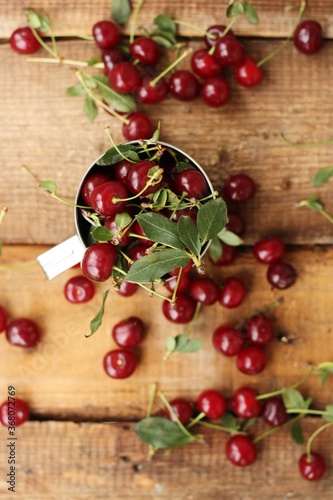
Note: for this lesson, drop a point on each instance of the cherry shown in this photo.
(104, 198)
(110, 58)
(89, 184)
(121, 170)
(281, 275)
(192, 182)
(23, 41)
(244, 403)
(229, 51)
(274, 412)
(124, 239)
(308, 37)
(212, 403)
(227, 256)
(205, 64)
(259, 330)
(184, 85)
(13, 416)
(136, 252)
(138, 127)
(215, 91)
(3, 319)
(151, 94)
(269, 250)
(139, 175)
(183, 283)
(312, 468)
(127, 288)
(182, 408)
(239, 188)
(232, 293)
(191, 212)
(106, 34)
(23, 332)
(79, 289)
(235, 223)
(181, 312)
(227, 340)
(124, 77)
(119, 363)
(137, 229)
(217, 31)
(98, 261)
(128, 332)
(204, 290)
(248, 73)
(251, 360)
(240, 450)
(145, 50)
(185, 270)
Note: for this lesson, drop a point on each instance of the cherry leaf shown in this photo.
(229, 421)
(322, 176)
(292, 398)
(188, 346)
(121, 11)
(116, 154)
(329, 411)
(165, 23)
(161, 432)
(212, 217)
(90, 108)
(215, 249)
(230, 238)
(123, 219)
(102, 233)
(188, 234)
(160, 198)
(97, 320)
(250, 13)
(326, 366)
(49, 186)
(296, 433)
(76, 90)
(160, 229)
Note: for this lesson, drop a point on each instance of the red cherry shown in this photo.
(251, 360)
(127, 289)
(136, 252)
(239, 188)
(212, 403)
(124, 77)
(248, 73)
(182, 408)
(228, 341)
(217, 31)
(121, 170)
(312, 468)
(269, 250)
(227, 256)
(89, 184)
(106, 34)
(14, 415)
(229, 51)
(241, 451)
(183, 283)
(308, 37)
(215, 91)
(151, 94)
(281, 275)
(98, 261)
(23, 332)
(110, 58)
(79, 289)
(119, 363)
(146, 50)
(138, 127)
(128, 332)
(191, 212)
(23, 41)
(3, 319)
(205, 64)
(192, 182)
(204, 290)
(104, 198)
(245, 404)
(232, 293)
(137, 229)
(259, 330)
(235, 223)
(274, 412)
(184, 85)
(139, 175)
(124, 239)
(181, 312)
(185, 270)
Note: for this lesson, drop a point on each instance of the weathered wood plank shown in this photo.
(62, 460)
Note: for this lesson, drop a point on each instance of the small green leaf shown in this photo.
(250, 13)
(188, 234)
(37, 20)
(97, 320)
(292, 398)
(183, 165)
(230, 238)
(121, 11)
(165, 23)
(161, 432)
(212, 218)
(215, 249)
(102, 233)
(160, 198)
(323, 376)
(90, 108)
(297, 433)
(151, 267)
(115, 155)
(228, 420)
(322, 176)
(187, 345)
(235, 10)
(160, 229)
(121, 102)
(313, 203)
(170, 344)
(49, 186)
(162, 41)
(326, 366)
(93, 61)
(76, 90)
(123, 219)
(248, 423)
(329, 416)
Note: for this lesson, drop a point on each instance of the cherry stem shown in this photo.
(303, 144)
(313, 436)
(134, 18)
(173, 414)
(107, 131)
(322, 211)
(170, 67)
(152, 395)
(294, 386)
(287, 40)
(276, 428)
(196, 420)
(153, 291)
(174, 294)
(18, 266)
(43, 44)
(61, 60)
(227, 29)
(3, 212)
(158, 172)
(220, 428)
(191, 25)
(66, 202)
(306, 411)
(34, 176)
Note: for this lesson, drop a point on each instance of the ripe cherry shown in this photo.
(121, 236)
(204, 290)
(185, 270)
(137, 251)
(259, 330)
(23, 41)
(127, 288)
(13, 416)
(138, 127)
(312, 468)
(128, 332)
(251, 360)
(191, 212)
(181, 312)
(124, 77)
(137, 229)
(248, 73)
(119, 363)
(239, 188)
(228, 340)
(182, 408)
(3, 319)
(106, 34)
(23, 332)
(281, 275)
(107, 198)
(151, 94)
(240, 450)
(145, 50)
(229, 51)
(244, 403)
(227, 256)
(232, 293)
(184, 85)
(215, 32)
(308, 37)
(274, 412)
(269, 250)
(139, 175)
(212, 403)
(235, 223)
(182, 284)
(121, 170)
(79, 289)
(215, 91)
(89, 184)
(205, 64)
(192, 182)
(110, 58)
(98, 261)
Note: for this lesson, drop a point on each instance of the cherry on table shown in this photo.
(23, 41)
(23, 332)
(204, 290)
(217, 31)
(215, 91)
(281, 275)
(212, 403)
(232, 293)
(145, 50)
(239, 188)
(204, 64)
(259, 330)
(182, 408)
(248, 73)
(151, 94)
(182, 311)
(235, 223)
(110, 58)
(241, 451)
(192, 182)
(106, 34)
(128, 332)
(124, 77)
(119, 363)
(104, 198)
(20, 415)
(98, 261)
(312, 468)
(227, 256)
(228, 340)
(138, 127)
(182, 283)
(229, 51)
(127, 288)
(79, 289)
(308, 37)
(90, 183)
(3, 319)
(244, 403)
(269, 250)
(274, 412)
(251, 360)
(183, 85)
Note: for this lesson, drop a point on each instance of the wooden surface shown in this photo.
(63, 379)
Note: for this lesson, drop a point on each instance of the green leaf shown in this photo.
(296, 433)
(93, 61)
(183, 165)
(165, 23)
(170, 344)
(76, 90)
(49, 186)
(90, 108)
(329, 410)
(187, 345)
(160, 229)
(102, 233)
(326, 366)
(212, 218)
(161, 432)
(323, 376)
(292, 398)
(151, 267)
(314, 203)
(123, 219)
(250, 13)
(121, 102)
(215, 249)
(115, 155)
(229, 420)
(160, 198)
(96, 322)
(162, 41)
(248, 423)
(230, 238)
(188, 234)
(322, 176)
(121, 11)
(235, 10)
(37, 20)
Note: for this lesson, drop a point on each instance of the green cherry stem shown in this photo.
(306, 411)
(3, 212)
(277, 428)
(43, 44)
(170, 67)
(303, 144)
(322, 211)
(263, 310)
(134, 19)
(151, 400)
(294, 386)
(196, 420)
(220, 428)
(62, 60)
(197, 28)
(173, 414)
(150, 182)
(152, 291)
(225, 32)
(107, 131)
(66, 202)
(313, 436)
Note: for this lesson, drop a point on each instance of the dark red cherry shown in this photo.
(123, 239)
(281, 275)
(215, 91)
(23, 41)
(145, 50)
(232, 293)
(137, 229)
(121, 170)
(182, 284)
(135, 253)
(241, 451)
(235, 223)
(110, 58)
(182, 408)
(89, 184)
(227, 256)
(239, 188)
(312, 468)
(181, 312)
(191, 212)
(98, 261)
(214, 33)
(127, 289)
(229, 51)
(269, 250)
(14, 415)
(259, 330)
(151, 94)
(308, 37)
(212, 403)
(124, 77)
(205, 64)
(3, 319)
(204, 290)
(192, 182)
(23, 332)
(248, 73)
(139, 175)
(244, 403)
(184, 85)
(185, 270)
(79, 289)
(228, 340)
(274, 412)
(251, 360)
(119, 363)
(104, 198)
(128, 332)
(138, 127)
(106, 34)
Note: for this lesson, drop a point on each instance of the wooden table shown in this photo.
(79, 442)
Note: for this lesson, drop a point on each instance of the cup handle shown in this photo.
(61, 257)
